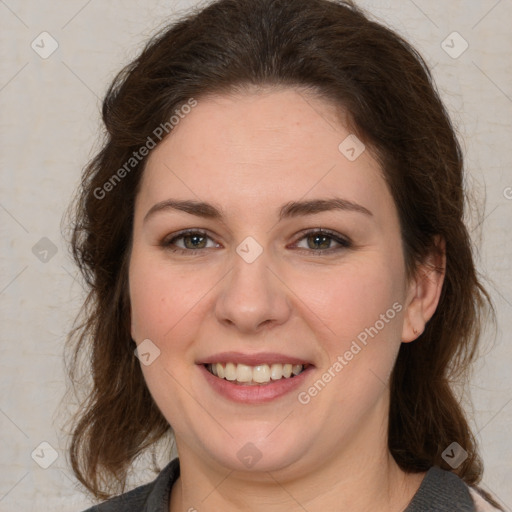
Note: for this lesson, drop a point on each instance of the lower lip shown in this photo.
(254, 394)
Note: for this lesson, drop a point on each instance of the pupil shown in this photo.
(319, 241)
(194, 241)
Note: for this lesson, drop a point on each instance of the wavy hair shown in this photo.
(336, 51)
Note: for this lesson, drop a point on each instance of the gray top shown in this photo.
(440, 491)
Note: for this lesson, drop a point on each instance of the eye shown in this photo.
(323, 241)
(189, 241)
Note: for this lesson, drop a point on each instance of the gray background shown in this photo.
(49, 129)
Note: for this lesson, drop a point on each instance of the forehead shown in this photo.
(250, 150)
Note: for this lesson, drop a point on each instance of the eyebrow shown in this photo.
(288, 210)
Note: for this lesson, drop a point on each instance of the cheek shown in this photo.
(165, 308)
(361, 304)
(164, 299)
(353, 297)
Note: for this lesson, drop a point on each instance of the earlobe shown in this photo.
(424, 292)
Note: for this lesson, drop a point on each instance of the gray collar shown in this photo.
(441, 491)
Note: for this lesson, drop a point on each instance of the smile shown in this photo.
(255, 375)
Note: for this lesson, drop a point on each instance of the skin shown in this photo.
(248, 155)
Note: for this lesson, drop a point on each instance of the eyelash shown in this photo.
(344, 242)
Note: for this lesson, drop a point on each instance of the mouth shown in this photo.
(255, 375)
(256, 378)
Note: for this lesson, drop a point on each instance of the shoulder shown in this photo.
(444, 491)
(151, 497)
(127, 502)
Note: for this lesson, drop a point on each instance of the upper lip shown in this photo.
(252, 359)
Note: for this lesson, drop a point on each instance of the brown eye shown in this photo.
(319, 241)
(189, 241)
(322, 241)
(194, 241)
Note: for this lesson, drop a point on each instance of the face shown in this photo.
(258, 243)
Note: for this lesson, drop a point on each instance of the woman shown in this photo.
(279, 271)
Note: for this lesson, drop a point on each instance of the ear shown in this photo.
(424, 291)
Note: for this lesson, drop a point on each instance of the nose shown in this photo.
(252, 297)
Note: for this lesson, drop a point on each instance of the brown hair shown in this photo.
(334, 50)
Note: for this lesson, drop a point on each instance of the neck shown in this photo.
(362, 477)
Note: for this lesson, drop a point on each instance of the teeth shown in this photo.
(229, 372)
(276, 371)
(243, 373)
(296, 369)
(259, 374)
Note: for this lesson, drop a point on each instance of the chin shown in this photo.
(259, 453)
